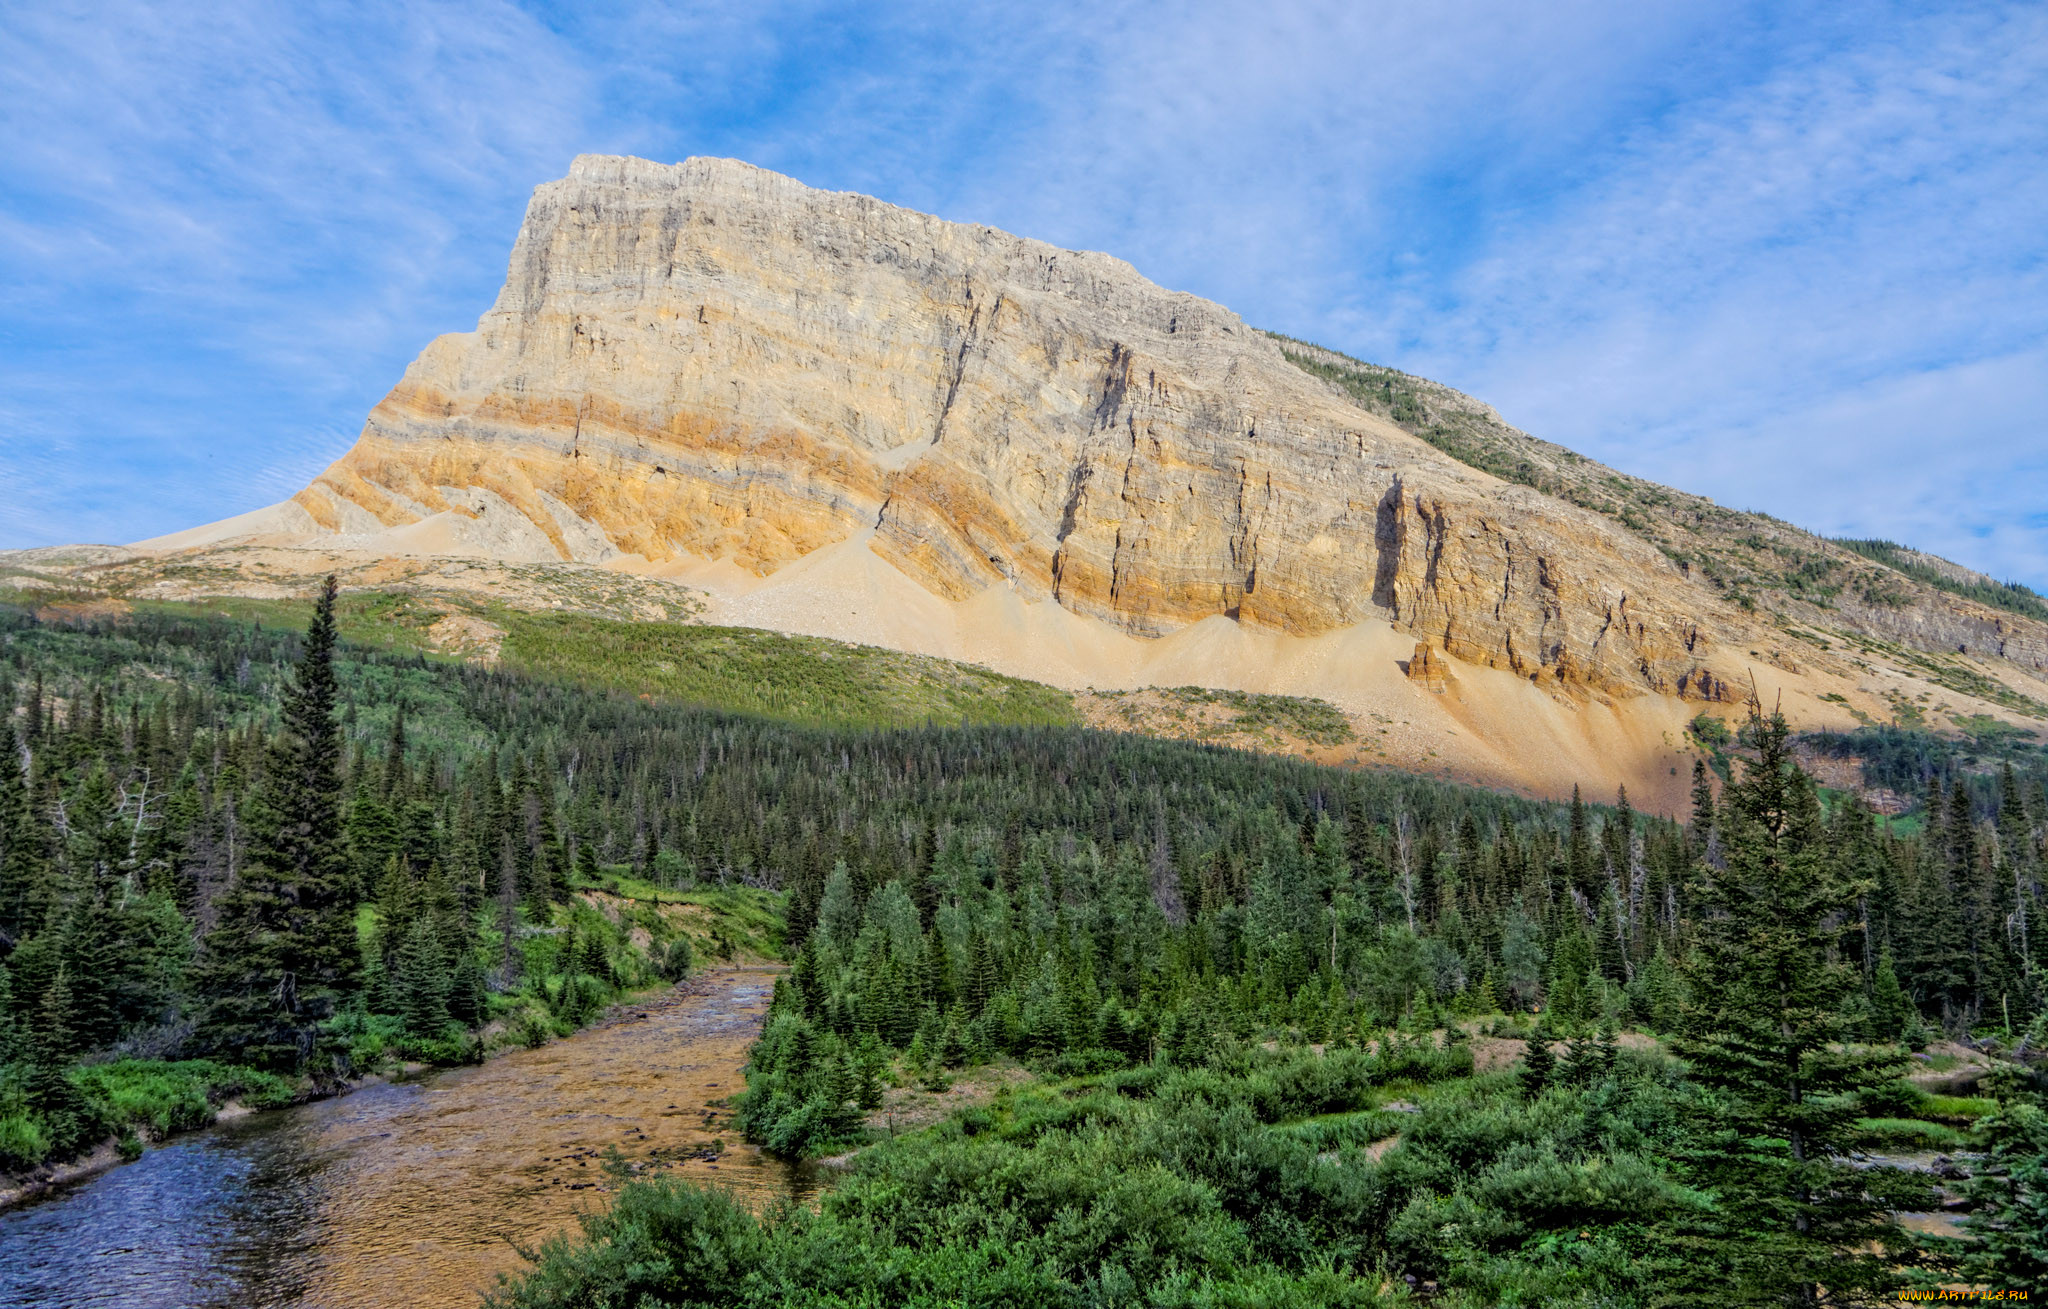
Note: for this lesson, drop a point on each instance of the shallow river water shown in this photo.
(408, 1194)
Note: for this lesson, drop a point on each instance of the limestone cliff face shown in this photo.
(716, 360)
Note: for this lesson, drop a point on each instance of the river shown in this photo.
(409, 1194)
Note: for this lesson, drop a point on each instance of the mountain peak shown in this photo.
(849, 418)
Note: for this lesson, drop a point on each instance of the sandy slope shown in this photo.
(1490, 727)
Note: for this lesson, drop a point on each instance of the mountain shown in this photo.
(815, 412)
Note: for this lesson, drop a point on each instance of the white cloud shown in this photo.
(226, 227)
(1857, 234)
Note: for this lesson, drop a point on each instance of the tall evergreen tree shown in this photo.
(23, 892)
(1768, 1040)
(284, 955)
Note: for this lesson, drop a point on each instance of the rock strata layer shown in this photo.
(1426, 669)
(710, 359)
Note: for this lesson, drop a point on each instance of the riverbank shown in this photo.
(21, 1188)
(418, 1192)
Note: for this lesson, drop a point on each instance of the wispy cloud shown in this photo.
(1855, 230)
(225, 229)
(1761, 252)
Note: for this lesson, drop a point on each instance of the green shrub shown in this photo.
(23, 1142)
(162, 1097)
(1899, 1099)
(676, 960)
(534, 1030)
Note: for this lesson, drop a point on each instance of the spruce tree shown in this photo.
(2009, 1190)
(1767, 1040)
(24, 895)
(49, 1089)
(283, 956)
(422, 982)
(1580, 868)
(1890, 1010)
(1539, 1064)
(871, 1058)
(466, 1001)
(1700, 831)
(511, 959)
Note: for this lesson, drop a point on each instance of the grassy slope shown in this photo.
(796, 678)
(1754, 560)
(799, 679)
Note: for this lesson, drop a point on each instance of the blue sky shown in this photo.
(1791, 256)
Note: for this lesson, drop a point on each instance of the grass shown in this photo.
(799, 679)
(1270, 718)
(1908, 1134)
(162, 1097)
(23, 1141)
(1315, 721)
(734, 919)
(2009, 596)
(377, 620)
(1353, 1129)
(1957, 1109)
(1948, 670)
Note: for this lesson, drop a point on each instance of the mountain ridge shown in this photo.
(1810, 571)
(834, 416)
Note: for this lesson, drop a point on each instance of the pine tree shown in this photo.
(1609, 949)
(952, 1042)
(1582, 1060)
(983, 979)
(1580, 869)
(13, 1040)
(868, 1064)
(936, 971)
(394, 781)
(466, 1001)
(49, 1090)
(511, 959)
(1658, 996)
(1937, 947)
(1570, 993)
(1701, 830)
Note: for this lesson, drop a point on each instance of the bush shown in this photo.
(164, 1097)
(676, 960)
(534, 1030)
(1898, 1099)
(578, 998)
(23, 1142)
(369, 1039)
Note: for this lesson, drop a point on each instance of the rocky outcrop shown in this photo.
(710, 359)
(1426, 669)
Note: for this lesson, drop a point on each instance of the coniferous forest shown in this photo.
(1286, 1034)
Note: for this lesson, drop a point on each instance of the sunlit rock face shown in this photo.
(710, 359)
